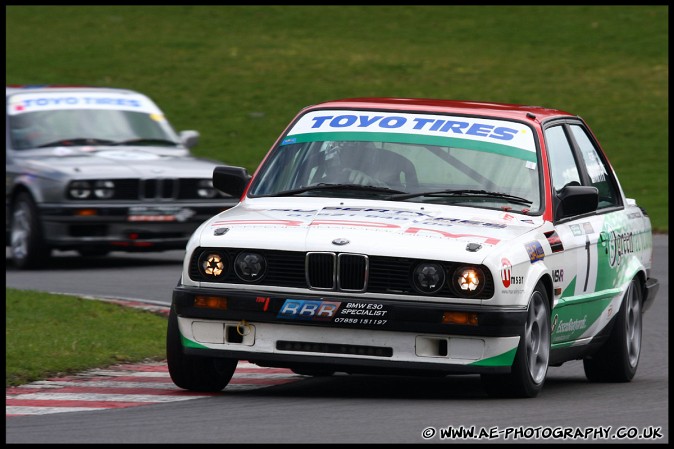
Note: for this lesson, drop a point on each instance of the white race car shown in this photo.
(418, 236)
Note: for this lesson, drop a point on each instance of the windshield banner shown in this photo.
(412, 128)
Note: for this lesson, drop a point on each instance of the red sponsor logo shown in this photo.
(506, 271)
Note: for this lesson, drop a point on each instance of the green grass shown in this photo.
(239, 74)
(48, 335)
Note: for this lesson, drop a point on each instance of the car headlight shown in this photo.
(104, 189)
(205, 188)
(80, 190)
(213, 265)
(250, 267)
(428, 277)
(468, 280)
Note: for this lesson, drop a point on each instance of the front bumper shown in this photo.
(285, 330)
(129, 226)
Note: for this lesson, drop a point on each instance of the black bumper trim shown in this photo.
(399, 315)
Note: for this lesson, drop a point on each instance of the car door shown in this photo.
(580, 265)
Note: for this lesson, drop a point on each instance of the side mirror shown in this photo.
(577, 200)
(189, 138)
(231, 180)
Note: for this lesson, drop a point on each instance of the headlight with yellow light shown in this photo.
(213, 265)
(468, 280)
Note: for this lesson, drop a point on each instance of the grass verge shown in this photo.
(48, 335)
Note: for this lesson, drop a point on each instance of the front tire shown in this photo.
(26, 243)
(530, 366)
(618, 358)
(194, 373)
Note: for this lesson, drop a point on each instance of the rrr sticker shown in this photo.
(350, 313)
(307, 310)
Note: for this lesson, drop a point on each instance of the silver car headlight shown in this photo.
(104, 189)
(205, 188)
(79, 190)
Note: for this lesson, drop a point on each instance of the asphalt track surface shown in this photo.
(280, 407)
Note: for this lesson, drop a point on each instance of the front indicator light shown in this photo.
(211, 302)
(469, 281)
(465, 318)
(85, 212)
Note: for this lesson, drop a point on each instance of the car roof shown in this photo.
(38, 88)
(501, 110)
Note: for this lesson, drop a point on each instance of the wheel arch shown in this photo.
(546, 281)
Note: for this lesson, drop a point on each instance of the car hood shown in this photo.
(399, 229)
(119, 162)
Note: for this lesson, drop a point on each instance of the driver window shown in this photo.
(599, 174)
(563, 166)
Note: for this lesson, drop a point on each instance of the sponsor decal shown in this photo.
(384, 122)
(554, 241)
(535, 251)
(506, 270)
(558, 275)
(22, 103)
(554, 323)
(582, 228)
(576, 230)
(571, 325)
(344, 313)
(508, 279)
(491, 135)
(619, 244)
(307, 310)
(159, 213)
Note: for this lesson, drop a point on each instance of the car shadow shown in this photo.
(358, 386)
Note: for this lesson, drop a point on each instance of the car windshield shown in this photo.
(49, 120)
(406, 157)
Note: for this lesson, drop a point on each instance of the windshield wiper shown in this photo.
(324, 186)
(464, 192)
(76, 141)
(145, 141)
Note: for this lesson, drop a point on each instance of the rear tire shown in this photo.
(193, 372)
(617, 360)
(26, 244)
(530, 366)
